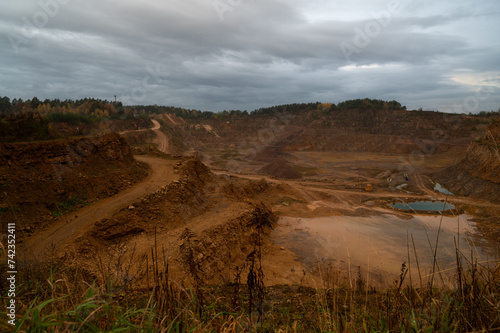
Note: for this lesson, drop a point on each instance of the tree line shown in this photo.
(84, 107)
(367, 103)
(104, 108)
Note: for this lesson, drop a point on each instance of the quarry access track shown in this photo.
(161, 139)
(304, 186)
(309, 188)
(41, 245)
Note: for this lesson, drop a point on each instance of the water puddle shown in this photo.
(441, 189)
(435, 206)
(377, 246)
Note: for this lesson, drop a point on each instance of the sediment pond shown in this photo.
(437, 206)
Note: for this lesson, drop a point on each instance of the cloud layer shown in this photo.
(235, 54)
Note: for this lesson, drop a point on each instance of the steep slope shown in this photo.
(478, 173)
(199, 220)
(41, 181)
(386, 131)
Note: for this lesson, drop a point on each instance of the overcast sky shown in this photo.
(245, 54)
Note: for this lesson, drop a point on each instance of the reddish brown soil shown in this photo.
(149, 221)
(216, 210)
(280, 168)
(64, 230)
(43, 180)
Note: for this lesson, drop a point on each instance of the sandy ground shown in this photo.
(377, 246)
(344, 227)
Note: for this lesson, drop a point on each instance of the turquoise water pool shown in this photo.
(424, 206)
(441, 189)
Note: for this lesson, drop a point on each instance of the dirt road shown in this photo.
(67, 227)
(154, 128)
(305, 188)
(310, 189)
(161, 139)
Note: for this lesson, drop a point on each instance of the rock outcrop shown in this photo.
(400, 132)
(478, 173)
(70, 153)
(45, 179)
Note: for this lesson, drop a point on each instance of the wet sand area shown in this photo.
(375, 247)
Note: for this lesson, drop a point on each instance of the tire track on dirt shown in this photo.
(421, 185)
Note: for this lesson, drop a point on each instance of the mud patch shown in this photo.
(379, 245)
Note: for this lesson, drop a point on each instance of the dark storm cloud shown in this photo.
(248, 54)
